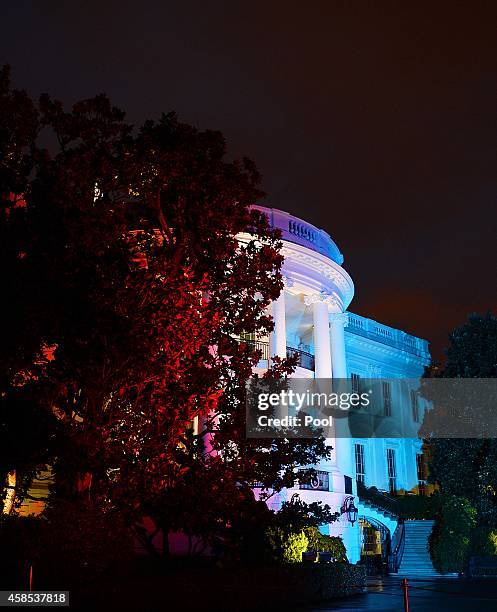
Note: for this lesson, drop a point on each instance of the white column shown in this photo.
(322, 358)
(344, 449)
(338, 323)
(322, 354)
(277, 338)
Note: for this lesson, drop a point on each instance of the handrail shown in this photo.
(398, 545)
(304, 359)
(377, 498)
(263, 347)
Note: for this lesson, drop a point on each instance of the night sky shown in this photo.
(373, 120)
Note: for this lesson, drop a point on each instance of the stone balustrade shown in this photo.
(387, 335)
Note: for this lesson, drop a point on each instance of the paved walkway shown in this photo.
(438, 594)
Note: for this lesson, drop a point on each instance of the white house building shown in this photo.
(312, 320)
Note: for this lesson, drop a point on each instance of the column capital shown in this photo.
(330, 299)
(339, 317)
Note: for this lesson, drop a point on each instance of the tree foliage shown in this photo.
(127, 291)
(472, 350)
(468, 467)
(319, 542)
(286, 547)
(450, 539)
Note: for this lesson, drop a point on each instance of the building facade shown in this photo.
(312, 321)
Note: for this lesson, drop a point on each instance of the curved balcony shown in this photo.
(301, 232)
(304, 360)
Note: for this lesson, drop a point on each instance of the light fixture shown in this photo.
(349, 508)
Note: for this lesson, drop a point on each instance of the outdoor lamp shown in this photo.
(348, 508)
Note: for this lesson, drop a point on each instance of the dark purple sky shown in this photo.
(373, 120)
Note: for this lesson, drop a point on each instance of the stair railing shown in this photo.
(378, 499)
(397, 550)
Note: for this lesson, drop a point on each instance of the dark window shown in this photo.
(348, 485)
(387, 399)
(392, 472)
(421, 469)
(355, 382)
(414, 406)
(360, 471)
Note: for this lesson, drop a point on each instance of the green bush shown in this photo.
(319, 542)
(286, 548)
(450, 538)
(295, 545)
(492, 536)
(483, 541)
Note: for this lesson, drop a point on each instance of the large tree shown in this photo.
(468, 467)
(128, 292)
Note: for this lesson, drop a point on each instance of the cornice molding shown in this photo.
(376, 345)
(322, 268)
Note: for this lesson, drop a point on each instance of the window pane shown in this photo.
(356, 382)
(359, 463)
(387, 399)
(392, 475)
(414, 406)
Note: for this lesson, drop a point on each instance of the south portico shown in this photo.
(309, 320)
(312, 323)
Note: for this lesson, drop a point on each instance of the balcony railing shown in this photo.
(302, 232)
(257, 345)
(387, 335)
(304, 359)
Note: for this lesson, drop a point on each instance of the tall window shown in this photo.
(421, 469)
(392, 472)
(356, 382)
(387, 399)
(360, 470)
(414, 406)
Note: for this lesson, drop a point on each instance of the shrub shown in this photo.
(450, 538)
(483, 541)
(295, 545)
(286, 548)
(492, 536)
(319, 542)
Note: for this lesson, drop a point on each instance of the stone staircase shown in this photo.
(416, 559)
